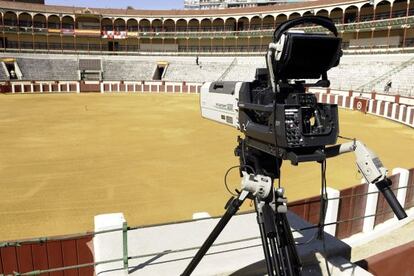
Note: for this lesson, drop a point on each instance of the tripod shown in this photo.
(270, 204)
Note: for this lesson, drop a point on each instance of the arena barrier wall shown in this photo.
(393, 107)
(150, 87)
(356, 210)
(41, 254)
(100, 86)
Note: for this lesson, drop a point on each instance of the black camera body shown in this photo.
(296, 127)
(275, 112)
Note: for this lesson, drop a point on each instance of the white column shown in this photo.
(41, 87)
(110, 87)
(332, 210)
(117, 87)
(336, 99)
(50, 87)
(402, 182)
(67, 87)
(370, 209)
(102, 87)
(31, 88)
(22, 87)
(109, 246)
(59, 90)
(386, 109)
(77, 87)
(13, 88)
(379, 103)
(370, 108)
(351, 103)
(394, 110)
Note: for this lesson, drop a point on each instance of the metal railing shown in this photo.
(126, 258)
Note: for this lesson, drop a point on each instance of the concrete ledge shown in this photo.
(167, 249)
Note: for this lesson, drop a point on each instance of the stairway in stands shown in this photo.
(392, 75)
(227, 71)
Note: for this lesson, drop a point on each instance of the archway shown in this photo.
(144, 25)
(107, 24)
(205, 25)
(255, 23)
(181, 25)
(119, 25)
(337, 15)
(382, 10)
(193, 25)
(169, 25)
(39, 21)
(25, 20)
(322, 13)
(218, 24)
(351, 15)
(10, 19)
(68, 23)
(132, 25)
(243, 24)
(268, 22)
(280, 18)
(53, 22)
(156, 26)
(308, 13)
(230, 25)
(399, 8)
(294, 15)
(366, 13)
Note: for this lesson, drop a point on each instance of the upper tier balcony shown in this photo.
(180, 32)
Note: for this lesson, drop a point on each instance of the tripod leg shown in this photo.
(232, 209)
(291, 245)
(261, 222)
(274, 239)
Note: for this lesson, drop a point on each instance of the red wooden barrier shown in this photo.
(352, 204)
(308, 209)
(51, 254)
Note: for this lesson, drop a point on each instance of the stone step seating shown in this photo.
(191, 72)
(48, 69)
(128, 70)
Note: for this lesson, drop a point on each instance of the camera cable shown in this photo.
(228, 171)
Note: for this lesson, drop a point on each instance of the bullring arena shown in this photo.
(99, 114)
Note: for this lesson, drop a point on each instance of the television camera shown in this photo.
(280, 121)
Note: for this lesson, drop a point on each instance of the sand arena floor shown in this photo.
(66, 158)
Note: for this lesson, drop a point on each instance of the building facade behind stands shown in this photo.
(362, 24)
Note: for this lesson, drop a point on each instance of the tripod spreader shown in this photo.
(231, 209)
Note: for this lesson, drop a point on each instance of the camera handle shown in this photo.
(372, 169)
